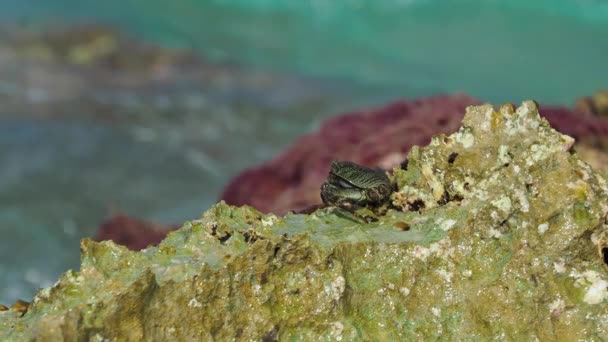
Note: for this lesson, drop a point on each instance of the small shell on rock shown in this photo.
(20, 306)
(402, 226)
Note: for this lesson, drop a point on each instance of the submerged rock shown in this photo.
(94, 45)
(507, 239)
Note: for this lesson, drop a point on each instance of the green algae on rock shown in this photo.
(507, 240)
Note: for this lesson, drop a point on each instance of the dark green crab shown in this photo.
(350, 186)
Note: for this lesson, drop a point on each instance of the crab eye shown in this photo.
(345, 184)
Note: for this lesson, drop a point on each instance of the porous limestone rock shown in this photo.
(501, 234)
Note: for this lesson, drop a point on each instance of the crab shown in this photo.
(350, 186)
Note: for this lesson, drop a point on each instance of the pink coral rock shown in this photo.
(133, 233)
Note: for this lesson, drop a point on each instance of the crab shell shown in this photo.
(349, 184)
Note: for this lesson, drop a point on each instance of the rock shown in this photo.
(375, 138)
(132, 233)
(509, 240)
(100, 46)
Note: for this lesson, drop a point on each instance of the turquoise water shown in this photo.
(552, 51)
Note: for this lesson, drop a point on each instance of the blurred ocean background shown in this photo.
(405, 47)
(277, 69)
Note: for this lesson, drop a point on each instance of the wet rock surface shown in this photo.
(506, 240)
